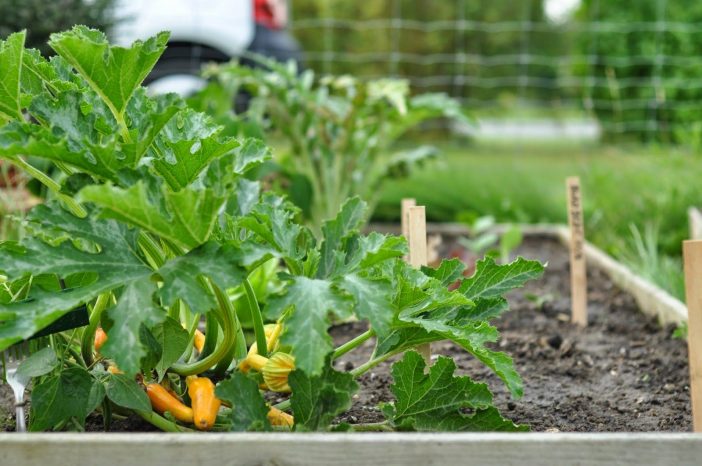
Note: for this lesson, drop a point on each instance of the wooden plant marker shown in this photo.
(692, 258)
(404, 221)
(578, 276)
(417, 239)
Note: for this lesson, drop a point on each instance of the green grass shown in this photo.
(649, 188)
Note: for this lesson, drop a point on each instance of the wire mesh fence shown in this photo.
(635, 68)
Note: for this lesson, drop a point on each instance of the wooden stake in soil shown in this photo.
(417, 238)
(404, 221)
(692, 257)
(578, 277)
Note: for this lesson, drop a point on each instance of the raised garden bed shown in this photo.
(198, 235)
(623, 373)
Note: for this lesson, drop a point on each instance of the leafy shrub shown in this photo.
(340, 130)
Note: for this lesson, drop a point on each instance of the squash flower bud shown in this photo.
(276, 371)
(272, 332)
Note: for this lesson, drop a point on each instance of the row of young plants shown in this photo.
(152, 223)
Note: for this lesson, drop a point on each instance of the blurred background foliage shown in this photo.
(649, 54)
(41, 18)
(366, 39)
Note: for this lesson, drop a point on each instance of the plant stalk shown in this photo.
(225, 312)
(75, 208)
(257, 319)
(161, 422)
(152, 251)
(362, 369)
(352, 344)
(88, 339)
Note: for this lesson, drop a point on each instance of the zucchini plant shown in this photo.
(152, 225)
(338, 131)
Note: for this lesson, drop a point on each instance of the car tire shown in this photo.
(178, 70)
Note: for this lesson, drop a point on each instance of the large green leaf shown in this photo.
(135, 307)
(221, 263)
(113, 72)
(436, 401)
(173, 339)
(370, 250)
(186, 146)
(225, 173)
(40, 363)
(455, 324)
(317, 400)
(273, 223)
(147, 117)
(349, 219)
(448, 271)
(72, 251)
(313, 301)
(186, 218)
(125, 392)
(249, 409)
(371, 301)
(491, 280)
(61, 397)
(18, 139)
(38, 74)
(426, 311)
(79, 115)
(11, 51)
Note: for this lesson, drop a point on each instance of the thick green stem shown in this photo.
(352, 344)
(294, 269)
(47, 181)
(106, 414)
(257, 318)
(238, 349)
(161, 422)
(191, 336)
(211, 335)
(226, 315)
(362, 369)
(174, 311)
(88, 339)
(152, 251)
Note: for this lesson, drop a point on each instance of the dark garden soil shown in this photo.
(622, 373)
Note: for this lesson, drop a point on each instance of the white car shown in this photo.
(202, 31)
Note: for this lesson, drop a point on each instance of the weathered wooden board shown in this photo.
(382, 449)
(692, 260)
